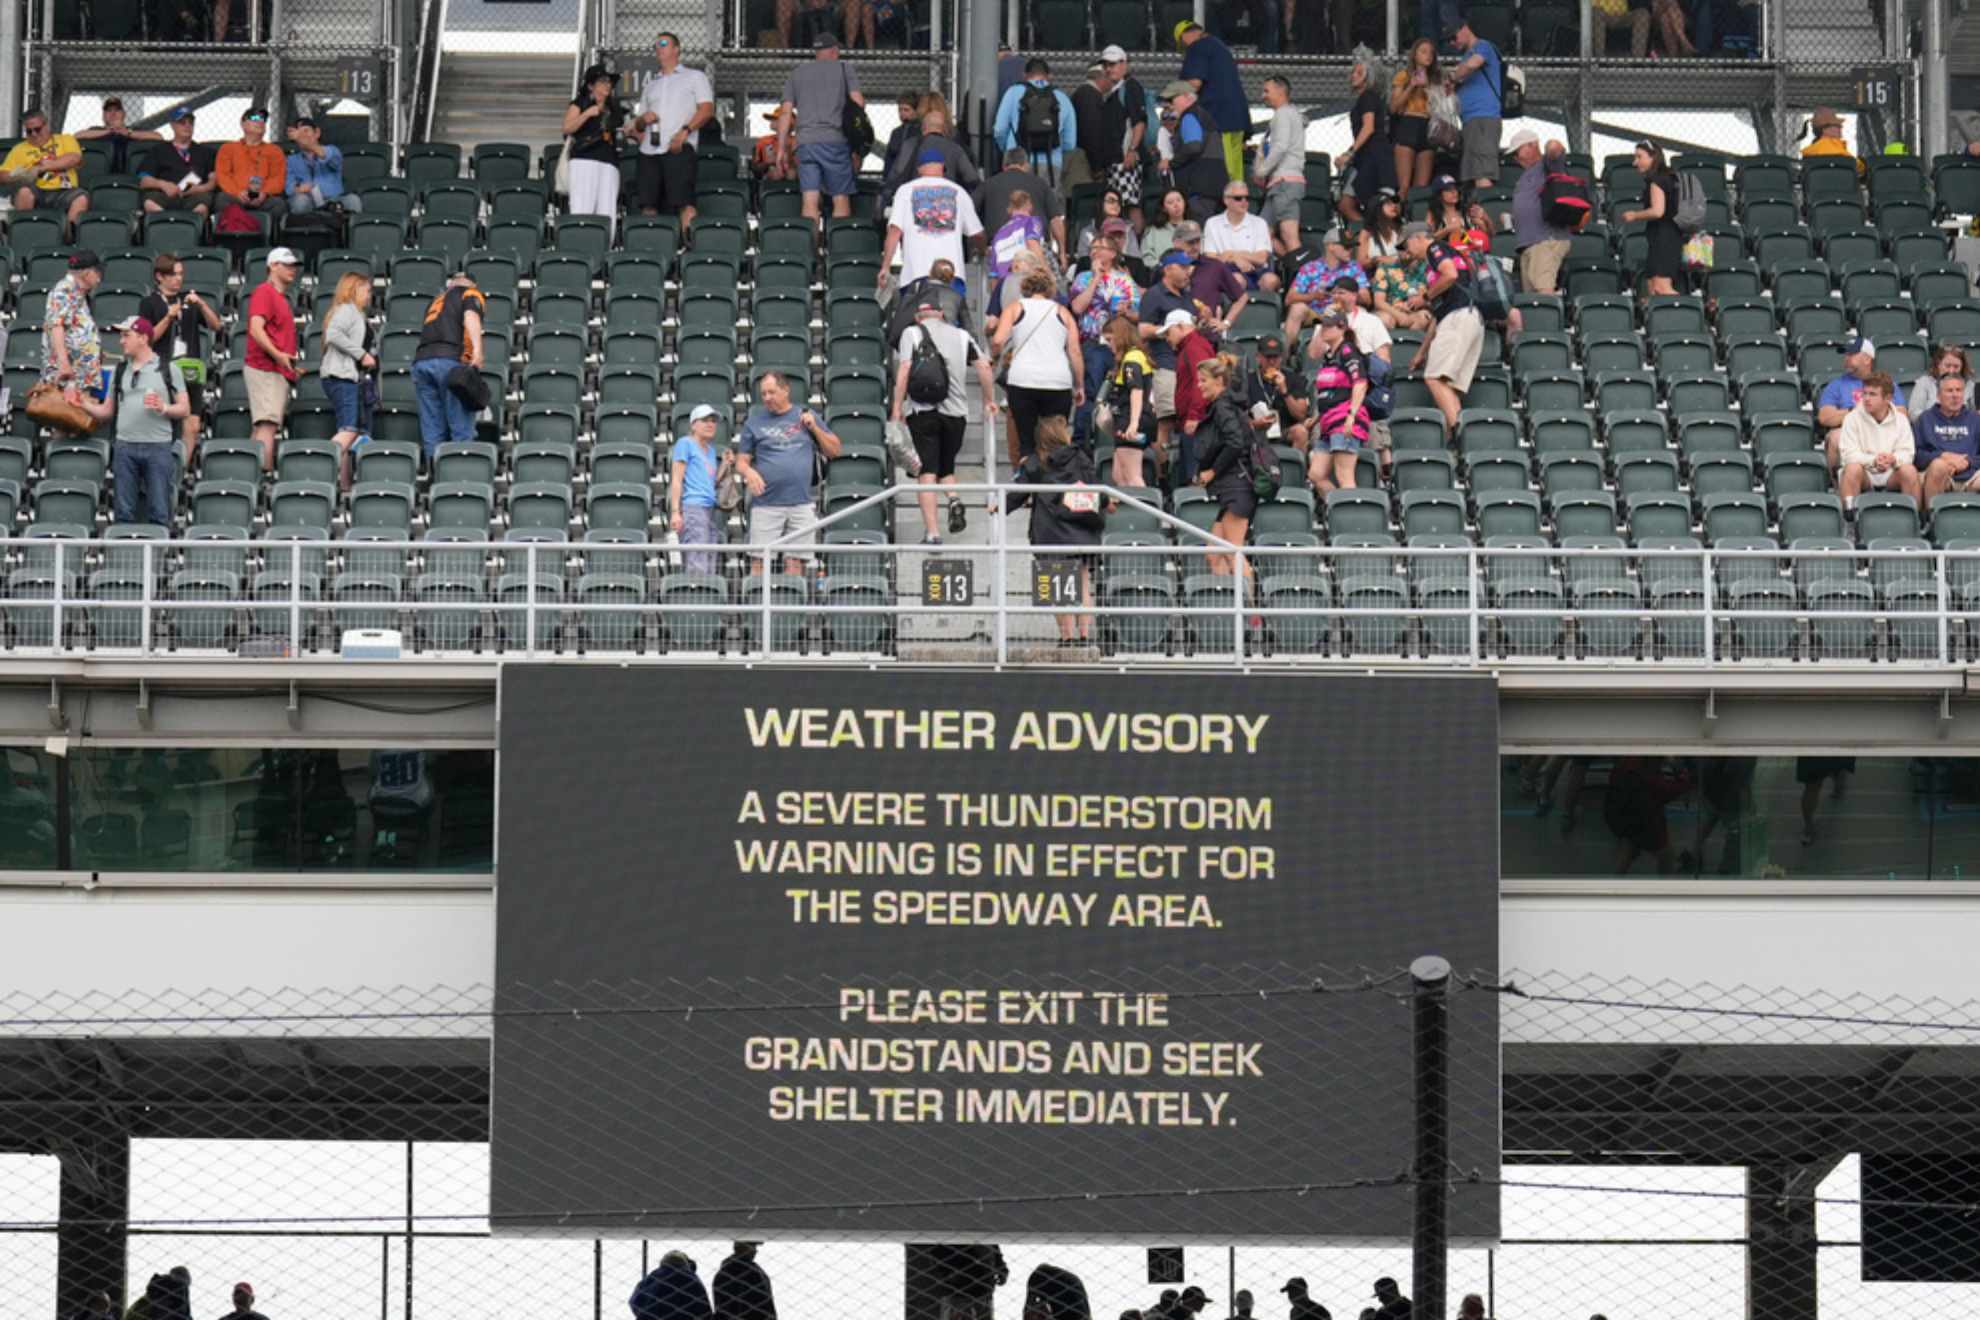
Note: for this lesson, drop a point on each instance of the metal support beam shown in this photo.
(1934, 83)
(13, 68)
(1780, 1245)
(1431, 1231)
(95, 1199)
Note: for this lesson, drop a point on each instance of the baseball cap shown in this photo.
(1291, 1284)
(1384, 1282)
(1112, 54)
(1335, 237)
(180, 112)
(1390, 193)
(282, 256)
(1177, 316)
(1526, 137)
(1271, 346)
(1189, 232)
(113, 103)
(1443, 181)
(1175, 258)
(244, 1287)
(1862, 345)
(1185, 26)
(931, 156)
(1171, 90)
(255, 112)
(1415, 229)
(1824, 117)
(1351, 283)
(303, 121)
(1331, 315)
(827, 40)
(1194, 1293)
(140, 324)
(84, 259)
(702, 412)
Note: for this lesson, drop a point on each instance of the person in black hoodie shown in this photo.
(1066, 519)
(742, 1289)
(671, 1292)
(1223, 455)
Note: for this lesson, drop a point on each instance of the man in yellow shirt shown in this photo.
(1826, 127)
(42, 169)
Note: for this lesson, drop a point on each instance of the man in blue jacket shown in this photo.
(1037, 117)
(1209, 66)
(316, 172)
(1947, 441)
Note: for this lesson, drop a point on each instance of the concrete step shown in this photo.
(502, 98)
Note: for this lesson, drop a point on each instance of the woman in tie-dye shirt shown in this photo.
(1098, 296)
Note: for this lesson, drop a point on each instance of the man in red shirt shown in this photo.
(272, 351)
(1185, 336)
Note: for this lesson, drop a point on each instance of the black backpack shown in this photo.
(856, 127)
(1565, 201)
(928, 372)
(1038, 119)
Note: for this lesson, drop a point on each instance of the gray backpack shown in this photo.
(1690, 213)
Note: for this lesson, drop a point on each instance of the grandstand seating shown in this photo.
(1609, 423)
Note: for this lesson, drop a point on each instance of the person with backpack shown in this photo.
(1542, 243)
(1225, 464)
(1037, 118)
(1663, 265)
(147, 397)
(1448, 357)
(1480, 76)
(1063, 520)
(928, 392)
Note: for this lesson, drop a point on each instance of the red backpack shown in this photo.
(1565, 201)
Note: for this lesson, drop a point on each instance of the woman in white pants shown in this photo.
(592, 122)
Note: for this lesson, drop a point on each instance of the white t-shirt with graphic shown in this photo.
(934, 216)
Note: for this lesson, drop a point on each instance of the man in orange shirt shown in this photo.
(253, 172)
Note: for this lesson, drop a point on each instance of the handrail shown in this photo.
(432, 28)
(1836, 612)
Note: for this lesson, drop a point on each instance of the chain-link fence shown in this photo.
(1668, 1148)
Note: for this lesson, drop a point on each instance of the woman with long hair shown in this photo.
(1126, 395)
(1447, 217)
(1947, 360)
(1409, 114)
(1223, 457)
(1381, 238)
(1063, 520)
(1171, 209)
(1111, 219)
(346, 359)
(1664, 262)
(592, 121)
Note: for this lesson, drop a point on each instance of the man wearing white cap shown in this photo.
(1099, 117)
(272, 351)
(698, 471)
(1842, 394)
(1542, 246)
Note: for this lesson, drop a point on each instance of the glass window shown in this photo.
(281, 809)
(1758, 817)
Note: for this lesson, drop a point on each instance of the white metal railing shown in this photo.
(1158, 587)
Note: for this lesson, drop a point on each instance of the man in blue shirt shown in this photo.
(1947, 442)
(1037, 117)
(1481, 80)
(316, 172)
(1209, 66)
(1840, 394)
(776, 455)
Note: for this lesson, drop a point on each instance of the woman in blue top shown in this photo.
(697, 476)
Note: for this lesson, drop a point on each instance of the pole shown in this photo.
(409, 1216)
(1431, 1231)
(1934, 85)
(13, 55)
(978, 20)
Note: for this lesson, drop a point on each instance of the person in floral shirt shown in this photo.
(1399, 300)
(1312, 286)
(1098, 296)
(72, 355)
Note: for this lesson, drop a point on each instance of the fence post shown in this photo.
(1430, 977)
